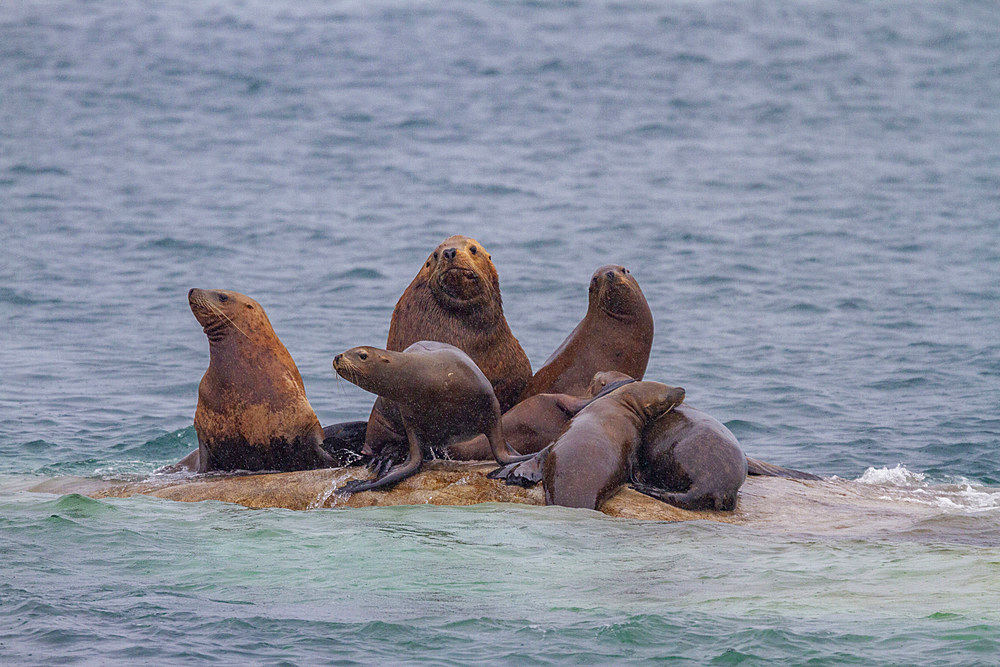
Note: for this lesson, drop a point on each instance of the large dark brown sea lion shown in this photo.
(615, 335)
(454, 299)
(441, 395)
(252, 410)
(596, 454)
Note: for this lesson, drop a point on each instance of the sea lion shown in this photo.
(528, 427)
(596, 454)
(689, 459)
(533, 423)
(615, 335)
(252, 409)
(441, 395)
(454, 299)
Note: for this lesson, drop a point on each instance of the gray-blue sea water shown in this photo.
(807, 192)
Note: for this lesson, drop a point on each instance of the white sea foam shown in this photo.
(904, 485)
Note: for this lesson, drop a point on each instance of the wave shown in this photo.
(904, 485)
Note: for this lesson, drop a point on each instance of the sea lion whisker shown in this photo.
(218, 311)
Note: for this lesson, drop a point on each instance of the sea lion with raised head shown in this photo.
(615, 335)
(454, 299)
(441, 395)
(596, 454)
(252, 409)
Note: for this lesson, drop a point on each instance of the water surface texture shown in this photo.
(808, 193)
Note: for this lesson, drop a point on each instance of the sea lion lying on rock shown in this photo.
(689, 459)
(615, 335)
(442, 397)
(455, 299)
(252, 409)
(596, 454)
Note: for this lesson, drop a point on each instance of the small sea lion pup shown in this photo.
(454, 299)
(252, 410)
(615, 335)
(596, 454)
(441, 395)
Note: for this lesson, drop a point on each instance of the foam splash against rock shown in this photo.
(905, 485)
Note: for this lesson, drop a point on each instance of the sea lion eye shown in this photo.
(362, 356)
(435, 255)
(473, 250)
(223, 298)
(250, 306)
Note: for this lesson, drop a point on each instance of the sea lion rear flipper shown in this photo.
(764, 469)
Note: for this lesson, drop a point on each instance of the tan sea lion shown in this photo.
(615, 335)
(595, 456)
(252, 410)
(441, 395)
(454, 299)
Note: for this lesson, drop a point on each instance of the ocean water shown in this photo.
(807, 192)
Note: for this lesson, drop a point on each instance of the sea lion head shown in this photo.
(650, 399)
(614, 291)
(224, 314)
(603, 380)
(371, 368)
(461, 275)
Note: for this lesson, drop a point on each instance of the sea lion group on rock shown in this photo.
(453, 382)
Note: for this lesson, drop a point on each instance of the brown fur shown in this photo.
(252, 409)
(461, 309)
(595, 454)
(615, 335)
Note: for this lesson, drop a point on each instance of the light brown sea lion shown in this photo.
(615, 335)
(689, 459)
(252, 409)
(454, 299)
(441, 395)
(596, 453)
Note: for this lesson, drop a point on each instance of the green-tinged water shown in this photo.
(807, 193)
(144, 578)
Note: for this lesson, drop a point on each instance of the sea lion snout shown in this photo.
(449, 253)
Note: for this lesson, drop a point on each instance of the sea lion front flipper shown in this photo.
(692, 499)
(345, 441)
(398, 473)
(764, 469)
(521, 473)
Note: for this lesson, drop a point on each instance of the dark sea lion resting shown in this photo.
(596, 453)
(689, 459)
(252, 410)
(528, 427)
(440, 394)
(454, 299)
(615, 335)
